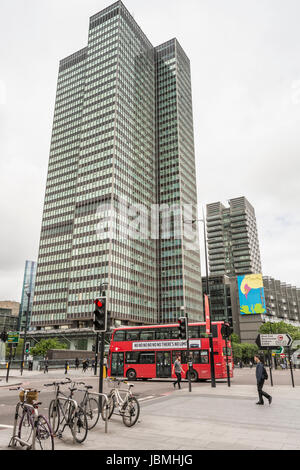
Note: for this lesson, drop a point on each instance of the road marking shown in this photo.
(6, 426)
(146, 398)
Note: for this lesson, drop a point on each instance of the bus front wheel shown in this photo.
(194, 376)
(131, 374)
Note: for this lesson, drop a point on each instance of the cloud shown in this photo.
(246, 101)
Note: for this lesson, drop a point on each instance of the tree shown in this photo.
(235, 338)
(237, 352)
(44, 345)
(280, 328)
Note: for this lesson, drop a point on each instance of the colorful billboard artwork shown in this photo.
(251, 294)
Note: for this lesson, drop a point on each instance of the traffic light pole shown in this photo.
(188, 352)
(96, 353)
(227, 364)
(101, 369)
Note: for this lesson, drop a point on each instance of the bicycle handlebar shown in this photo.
(53, 384)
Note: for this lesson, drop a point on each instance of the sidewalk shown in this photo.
(15, 377)
(206, 419)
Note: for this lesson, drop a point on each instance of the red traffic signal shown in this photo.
(100, 315)
(182, 328)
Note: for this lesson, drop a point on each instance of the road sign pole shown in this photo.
(270, 366)
(292, 375)
(227, 364)
(9, 361)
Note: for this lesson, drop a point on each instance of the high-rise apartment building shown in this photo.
(233, 246)
(122, 143)
(28, 287)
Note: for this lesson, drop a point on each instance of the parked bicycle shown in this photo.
(128, 406)
(64, 411)
(89, 404)
(31, 429)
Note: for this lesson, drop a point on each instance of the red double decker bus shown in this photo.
(148, 352)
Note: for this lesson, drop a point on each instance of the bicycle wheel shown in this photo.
(26, 426)
(108, 409)
(92, 411)
(44, 435)
(131, 412)
(78, 424)
(54, 416)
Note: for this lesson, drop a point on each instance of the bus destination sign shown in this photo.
(148, 345)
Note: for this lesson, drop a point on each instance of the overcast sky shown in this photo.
(245, 58)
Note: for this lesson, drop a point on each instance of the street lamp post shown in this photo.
(25, 330)
(211, 345)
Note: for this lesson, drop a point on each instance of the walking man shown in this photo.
(46, 365)
(76, 363)
(177, 369)
(261, 376)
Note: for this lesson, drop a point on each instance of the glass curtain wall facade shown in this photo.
(104, 165)
(179, 276)
(28, 286)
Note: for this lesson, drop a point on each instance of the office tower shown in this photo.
(111, 151)
(282, 301)
(233, 246)
(180, 283)
(28, 287)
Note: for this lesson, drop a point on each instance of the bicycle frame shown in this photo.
(15, 439)
(120, 401)
(85, 398)
(65, 418)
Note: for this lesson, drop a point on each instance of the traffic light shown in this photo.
(27, 347)
(226, 330)
(182, 328)
(94, 348)
(4, 336)
(100, 316)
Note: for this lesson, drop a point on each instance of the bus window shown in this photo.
(162, 333)
(184, 357)
(174, 332)
(204, 357)
(119, 335)
(194, 332)
(132, 358)
(202, 331)
(196, 357)
(132, 335)
(175, 354)
(147, 335)
(147, 358)
(214, 330)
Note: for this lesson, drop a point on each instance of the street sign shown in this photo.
(13, 337)
(279, 351)
(269, 341)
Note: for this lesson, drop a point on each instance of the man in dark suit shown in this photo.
(261, 376)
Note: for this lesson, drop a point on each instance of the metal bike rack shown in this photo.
(106, 400)
(15, 439)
